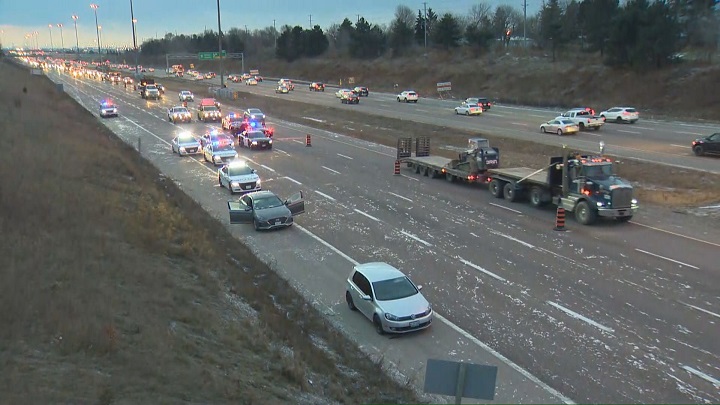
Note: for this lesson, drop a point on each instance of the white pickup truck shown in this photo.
(583, 119)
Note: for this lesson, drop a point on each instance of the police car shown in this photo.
(108, 109)
(218, 149)
(238, 177)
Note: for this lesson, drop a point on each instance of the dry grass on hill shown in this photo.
(117, 288)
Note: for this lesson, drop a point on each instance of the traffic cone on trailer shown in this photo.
(560, 219)
(307, 140)
(397, 167)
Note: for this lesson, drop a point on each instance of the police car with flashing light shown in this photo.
(218, 149)
(254, 114)
(108, 109)
(238, 177)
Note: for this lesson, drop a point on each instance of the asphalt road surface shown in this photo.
(661, 142)
(615, 313)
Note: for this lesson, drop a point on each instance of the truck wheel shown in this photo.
(435, 174)
(449, 177)
(496, 188)
(582, 126)
(585, 214)
(536, 197)
(426, 172)
(510, 192)
(417, 169)
(698, 150)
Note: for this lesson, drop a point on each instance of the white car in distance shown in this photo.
(620, 115)
(408, 96)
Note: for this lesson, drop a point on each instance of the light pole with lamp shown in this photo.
(222, 79)
(62, 39)
(37, 46)
(135, 48)
(51, 42)
(97, 27)
(77, 43)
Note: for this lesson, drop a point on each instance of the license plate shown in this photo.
(277, 222)
(622, 212)
(248, 187)
(414, 324)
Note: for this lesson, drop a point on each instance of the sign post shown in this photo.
(444, 89)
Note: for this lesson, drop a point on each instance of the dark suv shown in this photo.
(362, 91)
(317, 86)
(350, 97)
(710, 145)
(482, 101)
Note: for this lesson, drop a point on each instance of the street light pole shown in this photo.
(62, 38)
(222, 79)
(37, 46)
(51, 41)
(135, 48)
(97, 27)
(77, 43)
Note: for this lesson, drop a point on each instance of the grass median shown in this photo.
(118, 287)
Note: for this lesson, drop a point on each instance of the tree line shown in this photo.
(638, 33)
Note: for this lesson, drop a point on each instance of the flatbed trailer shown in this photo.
(470, 166)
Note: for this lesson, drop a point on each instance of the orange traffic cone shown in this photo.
(560, 219)
(307, 140)
(397, 167)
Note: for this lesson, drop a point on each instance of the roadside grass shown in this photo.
(116, 287)
(655, 184)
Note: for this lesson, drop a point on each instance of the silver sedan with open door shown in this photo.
(265, 210)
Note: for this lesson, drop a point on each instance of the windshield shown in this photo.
(394, 289)
(210, 108)
(225, 145)
(255, 111)
(151, 87)
(186, 139)
(180, 110)
(599, 171)
(234, 118)
(256, 135)
(267, 202)
(239, 171)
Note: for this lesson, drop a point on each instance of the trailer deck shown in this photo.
(435, 161)
(532, 176)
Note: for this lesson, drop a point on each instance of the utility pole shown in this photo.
(97, 29)
(358, 18)
(222, 79)
(310, 21)
(51, 41)
(135, 48)
(62, 39)
(275, 34)
(77, 43)
(425, 24)
(525, 23)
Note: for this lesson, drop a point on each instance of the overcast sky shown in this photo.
(156, 17)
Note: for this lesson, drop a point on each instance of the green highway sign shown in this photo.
(210, 55)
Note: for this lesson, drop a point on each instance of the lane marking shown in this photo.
(667, 258)
(399, 196)
(700, 309)
(297, 141)
(628, 132)
(581, 317)
(329, 169)
(675, 234)
(293, 180)
(706, 377)
(709, 207)
(480, 269)
(649, 129)
(346, 157)
(268, 168)
(689, 133)
(537, 116)
(366, 214)
(281, 151)
(411, 236)
(410, 177)
(679, 146)
(327, 245)
(519, 123)
(325, 195)
(505, 208)
(522, 242)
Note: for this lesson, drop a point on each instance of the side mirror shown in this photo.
(419, 288)
(248, 208)
(367, 297)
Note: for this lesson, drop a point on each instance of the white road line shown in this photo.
(409, 177)
(649, 129)
(505, 208)
(688, 133)
(513, 239)
(293, 180)
(706, 377)
(680, 146)
(366, 214)
(482, 270)
(281, 151)
(325, 195)
(538, 116)
(628, 132)
(327, 245)
(346, 157)
(298, 141)
(399, 196)
(675, 234)
(425, 111)
(268, 168)
(709, 207)
(701, 309)
(329, 169)
(667, 258)
(411, 236)
(581, 317)
(519, 123)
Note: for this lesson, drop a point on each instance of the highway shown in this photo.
(648, 140)
(614, 313)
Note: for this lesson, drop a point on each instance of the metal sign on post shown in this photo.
(460, 380)
(210, 55)
(444, 87)
(351, 80)
(254, 72)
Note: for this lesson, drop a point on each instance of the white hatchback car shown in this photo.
(621, 114)
(408, 96)
(388, 298)
(340, 93)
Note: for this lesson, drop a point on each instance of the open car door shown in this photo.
(239, 213)
(296, 204)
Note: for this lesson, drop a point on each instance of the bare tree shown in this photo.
(405, 15)
(479, 14)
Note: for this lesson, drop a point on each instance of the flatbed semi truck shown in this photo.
(470, 166)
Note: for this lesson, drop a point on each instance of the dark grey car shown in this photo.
(265, 210)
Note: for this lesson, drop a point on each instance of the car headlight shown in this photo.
(634, 201)
(391, 317)
(236, 156)
(182, 149)
(235, 184)
(270, 141)
(258, 181)
(254, 142)
(600, 203)
(217, 158)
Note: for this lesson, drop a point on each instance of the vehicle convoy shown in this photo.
(470, 166)
(583, 119)
(583, 184)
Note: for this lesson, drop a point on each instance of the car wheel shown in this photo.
(205, 157)
(220, 182)
(542, 129)
(378, 325)
(349, 300)
(618, 120)
(173, 148)
(407, 101)
(467, 113)
(582, 126)
(603, 118)
(457, 112)
(698, 150)
(559, 132)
